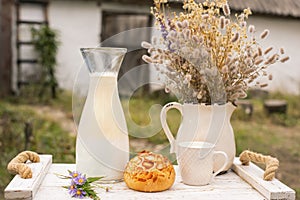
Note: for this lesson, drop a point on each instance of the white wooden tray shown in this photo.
(227, 186)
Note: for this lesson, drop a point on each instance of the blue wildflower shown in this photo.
(80, 193)
(80, 180)
(74, 174)
(72, 189)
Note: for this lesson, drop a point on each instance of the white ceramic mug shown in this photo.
(196, 161)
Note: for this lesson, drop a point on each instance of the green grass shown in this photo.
(140, 114)
(47, 135)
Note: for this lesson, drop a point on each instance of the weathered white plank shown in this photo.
(51, 180)
(228, 186)
(51, 193)
(270, 189)
(20, 188)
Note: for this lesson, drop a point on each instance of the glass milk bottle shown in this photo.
(102, 145)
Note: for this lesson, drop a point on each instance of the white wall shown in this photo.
(78, 23)
(284, 32)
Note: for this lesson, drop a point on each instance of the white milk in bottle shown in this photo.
(102, 146)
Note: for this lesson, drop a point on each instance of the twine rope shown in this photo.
(17, 166)
(271, 163)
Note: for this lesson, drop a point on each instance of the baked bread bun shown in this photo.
(149, 172)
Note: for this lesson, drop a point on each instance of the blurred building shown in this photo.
(87, 23)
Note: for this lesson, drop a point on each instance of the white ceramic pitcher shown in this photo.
(206, 123)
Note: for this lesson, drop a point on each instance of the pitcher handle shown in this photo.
(225, 162)
(163, 120)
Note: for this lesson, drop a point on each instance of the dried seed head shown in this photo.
(242, 17)
(167, 89)
(156, 56)
(264, 34)
(268, 50)
(251, 29)
(285, 59)
(235, 96)
(228, 60)
(185, 51)
(188, 77)
(196, 53)
(270, 77)
(222, 22)
(259, 51)
(248, 61)
(254, 76)
(237, 87)
(205, 16)
(225, 69)
(194, 94)
(199, 95)
(146, 45)
(244, 24)
(264, 85)
(185, 81)
(258, 61)
(185, 24)
(195, 39)
(151, 50)
(187, 34)
(272, 59)
(227, 21)
(172, 36)
(181, 35)
(201, 40)
(250, 81)
(242, 95)
(250, 70)
(159, 61)
(147, 59)
(247, 12)
(235, 37)
(265, 73)
(154, 40)
(249, 53)
(226, 9)
(179, 24)
(168, 62)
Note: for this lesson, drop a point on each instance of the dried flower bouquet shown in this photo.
(206, 55)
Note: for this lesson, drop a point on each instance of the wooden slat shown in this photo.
(20, 188)
(27, 61)
(31, 22)
(270, 189)
(24, 43)
(33, 2)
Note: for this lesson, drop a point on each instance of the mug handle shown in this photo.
(225, 163)
(164, 124)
